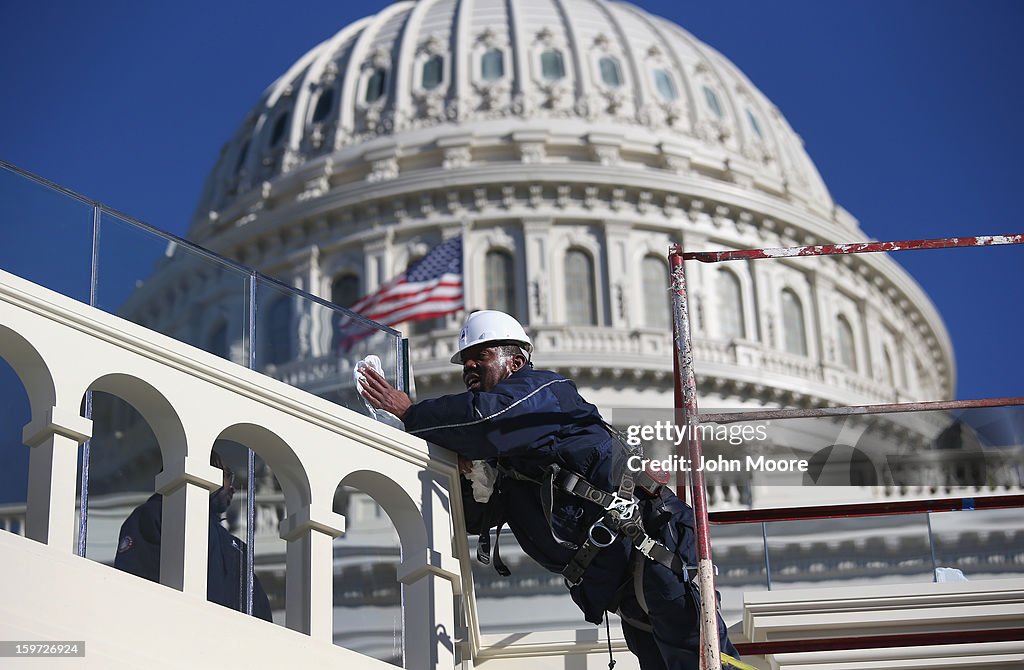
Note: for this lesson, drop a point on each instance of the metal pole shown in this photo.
(857, 248)
(250, 464)
(686, 412)
(83, 502)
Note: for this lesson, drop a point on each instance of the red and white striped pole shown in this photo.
(686, 413)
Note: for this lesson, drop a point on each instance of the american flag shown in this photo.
(430, 287)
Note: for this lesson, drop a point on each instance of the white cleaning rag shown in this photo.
(373, 362)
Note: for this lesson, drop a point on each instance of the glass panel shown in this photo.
(847, 350)
(610, 73)
(269, 550)
(314, 345)
(581, 307)
(712, 100)
(738, 551)
(982, 544)
(500, 282)
(433, 72)
(730, 305)
(666, 87)
(323, 105)
(657, 303)
(173, 289)
(531, 598)
(367, 593)
(793, 324)
(551, 65)
(124, 460)
(45, 235)
(375, 86)
(492, 65)
(280, 125)
(849, 552)
(15, 413)
(754, 124)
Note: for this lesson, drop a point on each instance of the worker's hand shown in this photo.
(382, 395)
(465, 465)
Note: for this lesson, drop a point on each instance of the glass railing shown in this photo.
(84, 250)
(907, 497)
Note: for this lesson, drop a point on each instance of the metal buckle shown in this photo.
(610, 534)
(624, 508)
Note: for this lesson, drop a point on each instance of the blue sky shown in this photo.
(910, 109)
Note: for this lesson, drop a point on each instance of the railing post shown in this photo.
(52, 468)
(686, 415)
(309, 573)
(185, 523)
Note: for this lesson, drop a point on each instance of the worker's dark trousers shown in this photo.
(673, 639)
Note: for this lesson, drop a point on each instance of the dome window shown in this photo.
(610, 72)
(277, 133)
(657, 305)
(375, 85)
(501, 287)
(580, 298)
(712, 99)
(552, 66)
(433, 72)
(666, 87)
(754, 124)
(730, 305)
(492, 65)
(323, 105)
(242, 153)
(847, 349)
(793, 323)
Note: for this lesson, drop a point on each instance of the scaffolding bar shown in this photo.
(686, 412)
(857, 248)
(856, 410)
(853, 510)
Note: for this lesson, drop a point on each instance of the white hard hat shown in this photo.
(490, 325)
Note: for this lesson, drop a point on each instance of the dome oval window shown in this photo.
(754, 124)
(433, 72)
(323, 105)
(242, 154)
(666, 87)
(610, 72)
(712, 99)
(375, 86)
(279, 127)
(551, 65)
(492, 65)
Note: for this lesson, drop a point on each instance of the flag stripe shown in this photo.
(429, 288)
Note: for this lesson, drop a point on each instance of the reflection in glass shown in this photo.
(150, 279)
(367, 593)
(45, 235)
(580, 297)
(492, 64)
(433, 72)
(551, 65)
(666, 87)
(124, 460)
(657, 303)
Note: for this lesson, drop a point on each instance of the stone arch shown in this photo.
(276, 452)
(154, 407)
(30, 367)
(400, 508)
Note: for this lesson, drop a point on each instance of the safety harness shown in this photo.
(622, 516)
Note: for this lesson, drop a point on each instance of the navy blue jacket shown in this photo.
(527, 422)
(138, 552)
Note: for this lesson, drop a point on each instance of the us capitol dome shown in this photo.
(570, 142)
